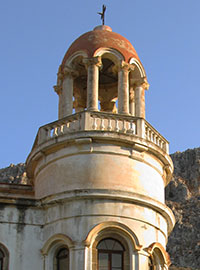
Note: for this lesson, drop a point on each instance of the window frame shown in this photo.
(110, 252)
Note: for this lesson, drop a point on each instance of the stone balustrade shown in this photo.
(101, 122)
(154, 136)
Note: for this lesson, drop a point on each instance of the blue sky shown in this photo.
(36, 34)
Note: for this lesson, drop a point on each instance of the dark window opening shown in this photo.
(1, 259)
(62, 259)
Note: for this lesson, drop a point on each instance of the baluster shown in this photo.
(79, 122)
(60, 130)
(124, 127)
(116, 125)
(148, 134)
(109, 124)
(55, 131)
(152, 137)
(102, 126)
(156, 140)
(94, 125)
(161, 144)
(131, 127)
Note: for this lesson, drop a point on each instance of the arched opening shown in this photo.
(150, 264)
(111, 250)
(108, 78)
(110, 254)
(80, 85)
(56, 252)
(62, 259)
(1, 259)
(159, 259)
(108, 82)
(4, 257)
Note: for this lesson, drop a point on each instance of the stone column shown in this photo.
(58, 90)
(141, 86)
(92, 65)
(67, 92)
(132, 101)
(64, 88)
(123, 88)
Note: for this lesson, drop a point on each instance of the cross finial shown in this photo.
(103, 14)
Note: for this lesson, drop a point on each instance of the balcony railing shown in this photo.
(102, 122)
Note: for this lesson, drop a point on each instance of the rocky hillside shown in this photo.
(182, 196)
(14, 174)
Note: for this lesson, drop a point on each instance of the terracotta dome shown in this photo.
(101, 36)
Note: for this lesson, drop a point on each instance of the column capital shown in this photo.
(58, 89)
(125, 66)
(141, 83)
(60, 73)
(96, 61)
(67, 71)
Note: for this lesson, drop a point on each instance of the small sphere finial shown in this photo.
(103, 27)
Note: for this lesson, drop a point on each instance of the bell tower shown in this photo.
(100, 170)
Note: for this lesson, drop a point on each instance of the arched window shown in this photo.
(4, 257)
(1, 259)
(62, 259)
(110, 255)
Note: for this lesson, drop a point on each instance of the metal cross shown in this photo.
(102, 14)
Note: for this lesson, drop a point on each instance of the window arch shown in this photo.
(110, 254)
(57, 252)
(159, 258)
(4, 257)
(117, 231)
(110, 242)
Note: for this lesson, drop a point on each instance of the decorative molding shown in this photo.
(67, 71)
(141, 83)
(125, 66)
(96, 61)
(55, 239)
(113, 226)
(165, 255)
(58, 89)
